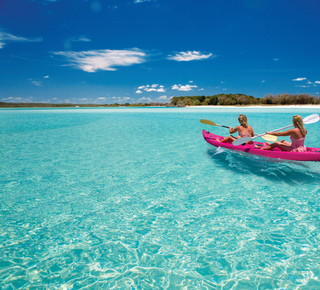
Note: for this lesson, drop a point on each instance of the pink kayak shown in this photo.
(313, 154)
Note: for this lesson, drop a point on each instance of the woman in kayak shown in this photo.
(244, 130)
(297, 136)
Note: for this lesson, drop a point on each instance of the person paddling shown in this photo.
(244, 130)
(297, 136)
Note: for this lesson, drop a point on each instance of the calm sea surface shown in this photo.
(136, 199)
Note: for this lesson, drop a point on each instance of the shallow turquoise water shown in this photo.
(136, 199)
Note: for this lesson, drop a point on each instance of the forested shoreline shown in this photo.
(244, 100)
(184, 101)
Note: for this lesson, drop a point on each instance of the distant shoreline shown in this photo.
(260, 106)
(166, 105)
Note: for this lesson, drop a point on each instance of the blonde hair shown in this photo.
(243, 120)
(298, 123)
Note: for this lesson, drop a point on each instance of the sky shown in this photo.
(142, 51)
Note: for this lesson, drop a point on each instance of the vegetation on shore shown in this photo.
(241, 99)
(215, 100)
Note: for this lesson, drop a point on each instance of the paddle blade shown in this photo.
(270, 138)
(311, 119)
(241, 141)
(208, 122)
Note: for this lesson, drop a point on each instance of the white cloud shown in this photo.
(7, 37)
(36, 83)
(151, 88)
(144, 100)
(276, 59)
(185, 88)
(94, 60)
(189, 56)
(46, 77)
(162, 97)
(18, 100)
(299, 79)
(317, 82)
(161, 90)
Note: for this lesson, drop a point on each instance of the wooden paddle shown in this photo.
(307, 120)
(265, 137)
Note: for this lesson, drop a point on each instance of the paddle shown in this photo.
(266, 136)
(307, 120)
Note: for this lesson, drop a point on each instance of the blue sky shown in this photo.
(119, 51)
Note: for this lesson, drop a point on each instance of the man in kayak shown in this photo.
(244, 130)
(297, 136)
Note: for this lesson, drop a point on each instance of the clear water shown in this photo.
(136, 199)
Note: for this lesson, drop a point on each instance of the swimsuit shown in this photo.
(297, 145)
(240, 136)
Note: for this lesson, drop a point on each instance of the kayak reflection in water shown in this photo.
(244, 130)
(297, 136)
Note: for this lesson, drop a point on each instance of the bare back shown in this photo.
(243, 132)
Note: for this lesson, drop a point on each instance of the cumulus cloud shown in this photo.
(317, 82)
(299, 79)
(163, 97)
(18, 100)
(185, 88)
(94, 60)
(7, 37)
(151, 88)
(144, 100)
(120, 99)
(189, 56)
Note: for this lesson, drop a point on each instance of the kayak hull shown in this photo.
(312, 154)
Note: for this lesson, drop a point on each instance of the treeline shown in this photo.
(241, 99)
(286, 99)
(221, 99)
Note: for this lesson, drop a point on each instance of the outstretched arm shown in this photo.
(284, 133)
(233, 130)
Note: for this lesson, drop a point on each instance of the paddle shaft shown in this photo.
(224, 126)
(272, 131)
